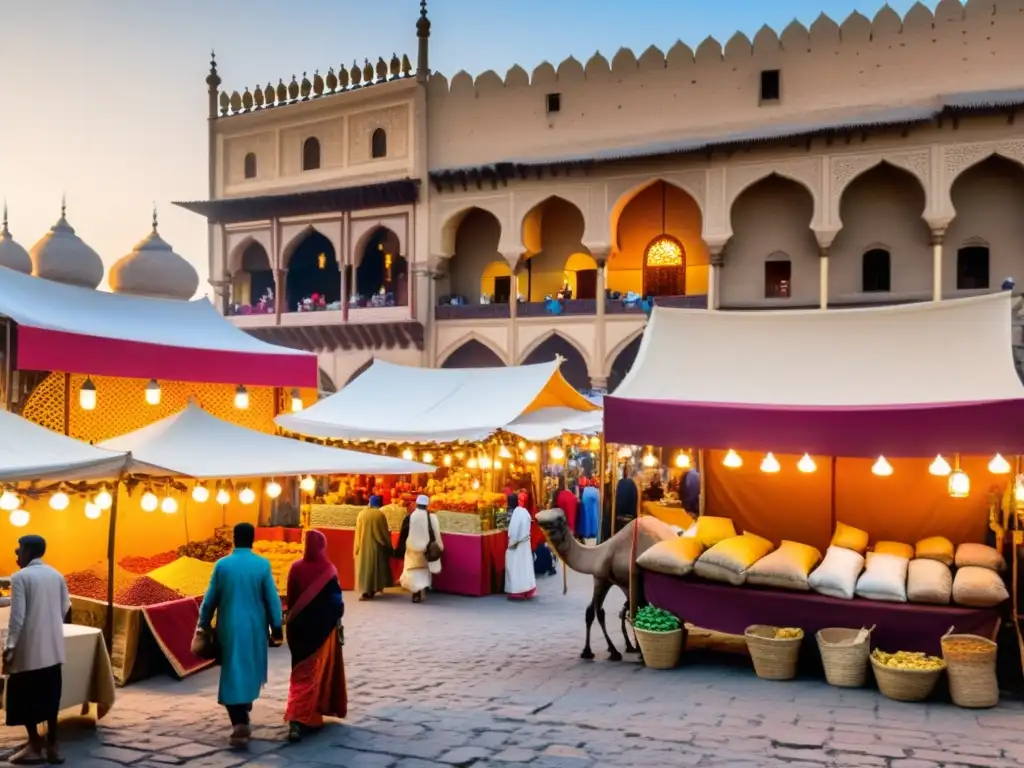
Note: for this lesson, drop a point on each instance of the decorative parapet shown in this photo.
(296, 91)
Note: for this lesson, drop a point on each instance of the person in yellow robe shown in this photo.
(373, 551)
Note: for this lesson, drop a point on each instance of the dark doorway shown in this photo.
(382, 277)
(574, 367)
(257, 265)
(502, 289)
(586, 284)
(313, 270)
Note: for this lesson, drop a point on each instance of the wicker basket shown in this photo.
(661, 650)
(773, 659)
(844, 654)
(906, 684)
(972, 676)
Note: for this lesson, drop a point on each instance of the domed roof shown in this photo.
(154, 269)
(12, 255)
(61, 256)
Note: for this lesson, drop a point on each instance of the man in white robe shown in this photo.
(520, 581)
(423, 529)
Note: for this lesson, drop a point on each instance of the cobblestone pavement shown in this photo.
(483, 682)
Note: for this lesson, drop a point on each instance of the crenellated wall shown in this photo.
(828, 70)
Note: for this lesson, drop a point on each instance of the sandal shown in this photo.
(239, 736)
(53, 755)
(294, 733)
(27, 755)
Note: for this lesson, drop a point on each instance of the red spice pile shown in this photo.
(141, 565)
(87, 584)
(146, 591)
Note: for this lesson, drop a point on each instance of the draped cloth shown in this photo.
(317, 686)
(591, 512)
(520, 582)
(418, 573)
(567, 502)
(372, 550)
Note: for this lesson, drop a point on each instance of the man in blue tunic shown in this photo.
(244, 597)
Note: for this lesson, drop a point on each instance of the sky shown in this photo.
(105, 100)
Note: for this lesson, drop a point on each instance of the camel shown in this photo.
(609, 563)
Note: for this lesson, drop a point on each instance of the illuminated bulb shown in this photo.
(939, 467)
(484, 462)
(882, 468)
(649, 460)
(504, 452)
(223, 497)
(168, 505)
(407, 454)
(87, 395)
(447, 460)
(476, 484)
(428, 458)
(273, 489)
(9, 501)
(999, 465)
(307, 484)
(530, 456)
(595, 443)
(1018, 489)
(103, 499)
(459, 455)
(19, 518)
(497, 463)
(200, 494)
(732, 460)
(471, 464)
(153, 392)
(247, 495)
(770, 464)
(296, 401)
(959, 484)
(625, 452)
(683, 460)
(92, 511)
(241, 398)
(806, 464)
(59, 501)
(558, 453)
(149, 502)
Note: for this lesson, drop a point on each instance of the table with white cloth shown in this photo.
(87, 677)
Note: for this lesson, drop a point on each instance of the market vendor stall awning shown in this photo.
(396, 403)
(196, 444)
(76, 330)
(550, 423)
(911, 380)
(31, 452)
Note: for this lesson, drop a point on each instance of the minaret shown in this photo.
(423, 34)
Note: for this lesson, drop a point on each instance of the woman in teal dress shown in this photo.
(244, 597)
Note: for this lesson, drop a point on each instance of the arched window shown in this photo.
(311, 154)
(379, 143)
(876, 271)
(250, 165)
(972, 268)
(664, 267)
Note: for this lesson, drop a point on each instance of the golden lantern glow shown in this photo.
(1018, 489)
(9, 501)
(625, 452)
(557, 453)
(595, 443)
(428, 457)
(273, 489)
(530, 455)
(247, 495)
(103, 500)
(153, 392)
(200, 494)
(149, 502)
(959, 485)
(650, 460)
(471, 464)
(92, 511)
(407, 454)
(939, 467)
(460, 455)
(769, 464)
(447, 460)
(59, 501)
(497, 463)
(241, 398)
(168, 505)
(999, 465)
(504, 453)
(296, 401)
(882, 468)
(307, 484)
(19, 518)
(732, 460)
(87, 396)
(484, 462)
(806, 464)
(664, 252)
(476, 484)
(683, 460)
(222, 497)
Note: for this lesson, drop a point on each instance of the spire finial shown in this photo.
(4, 230)
(423, 9)
(154, 217)
(213, 62)
(63, 205)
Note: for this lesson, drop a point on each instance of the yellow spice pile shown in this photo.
(281, 555)
(185, 575)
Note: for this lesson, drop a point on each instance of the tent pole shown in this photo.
(108, 621)
(602, 473)
(832, 522)
(614, 486)
(565, 482)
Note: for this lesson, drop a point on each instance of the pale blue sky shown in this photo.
(105, 99)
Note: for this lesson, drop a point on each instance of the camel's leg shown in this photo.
(630, 648)
(601, 589)
(587, 653)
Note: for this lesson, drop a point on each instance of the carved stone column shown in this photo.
(222, 292)
(823, 277)
(716, 256)
(280, 293)
(601, 334)
(938, 236)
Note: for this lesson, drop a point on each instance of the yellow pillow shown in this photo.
(936, 548)
(674, 557)
(787, 567)
(711, 530)
(848, 537)
(729, 559)
(895, 548)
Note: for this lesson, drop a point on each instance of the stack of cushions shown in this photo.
(786, 568)
(844, 560)
(729, 559)
(979, 582)
(674, 557)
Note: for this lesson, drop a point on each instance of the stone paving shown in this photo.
(483, 682)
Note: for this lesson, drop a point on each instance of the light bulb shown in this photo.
(169, 505)
(625, 452)
(87, 395)
(447, 460)
(407, 454)
(428, 457)
(959, 485)
(999, 465)
(241, 398)
(307, 484)
(504, 452)
(683, 460)
(530, 456)
(149, 502)
(1018, 489)
(484, 462)
(939, 467)
(595, 443)
(59, 501)
(223, 497)
(93, 511)
(273, 489)
(200, 494)
(476, 484)
(497, 463)
(153, 392)
(247, 495)
(649, 460)
(9, 501)
(882, 468)
(19, 518)
(769, 464)
(296, 401)
(806, 464)
(558, 453)
(732, 460)
(471, 464)
(104, 500)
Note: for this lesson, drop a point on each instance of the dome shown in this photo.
(61, 256)
(12, 255)
(154, 269)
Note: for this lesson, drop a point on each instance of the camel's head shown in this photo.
(554, 524)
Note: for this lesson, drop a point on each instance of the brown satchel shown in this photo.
(433, 550)
(204, 644)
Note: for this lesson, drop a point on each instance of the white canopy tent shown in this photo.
(549, 423)
(31, 452)
(396, 403)
(194, 443)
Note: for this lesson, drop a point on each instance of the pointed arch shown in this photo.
(297, 239)
(531, 227)
(312, 268)
(359, 371)
(759, 174)
(619, 348)
(471, 338)
(627, 197)
(380, 269)
(865, 165)
(622, 359)
(449, 228)
(537, 343)
(575, 367)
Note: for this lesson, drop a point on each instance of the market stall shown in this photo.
(862, 435)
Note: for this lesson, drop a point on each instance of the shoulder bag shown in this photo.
(433, 550)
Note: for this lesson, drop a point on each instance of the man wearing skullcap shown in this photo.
(422, 543)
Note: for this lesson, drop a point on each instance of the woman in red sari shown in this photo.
(314, 636)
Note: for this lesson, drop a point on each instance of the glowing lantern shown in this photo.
(558, 453)
(806, 464)
(307, 484)
(153, 392)
(625, 452)
(999, 465)
(882, 468)
(200, 494)
(1018, 489)
(223, 497)
(59, 501)
(732, 460)
(428, 457)
(241, 398)
(959, 484)
(87, 396)
(471, 464)
(169, 505)
(92, 511)
(939, 467)
(770, 464)
(649, 460)
(447, 460)
(273, 489)
(149, 502)
(104, 500)
(247, 495)
(19, 518)
(530, 456)
(683, 460)
(9, 501)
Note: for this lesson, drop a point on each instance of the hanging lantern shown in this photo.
(428, 457)
(92, 511)
(273, 489)
(999, 465)
(1018, 489)
(169, 505)
(19, 518)
(149, 502)
(732, 460)
(476, 484)
(939, 467)
(484, 462)
(769, 464)
(307, 484)
(806, 464)
(882, 468)
(471, 464)
(557, 453)
(683, 460)
(200, 494)
(959, 484)
(153, 392)
(650, 460)
(497, 463)
(447, 460)
(625, 452)
(247, 495)
(595, 443)
(9, 501)
(504, 453)
(530, 456)
(104, 499)
(241, 398)
(407, 454)
(223, 497)
(59, 501)
(87, 396)
(296, 401)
